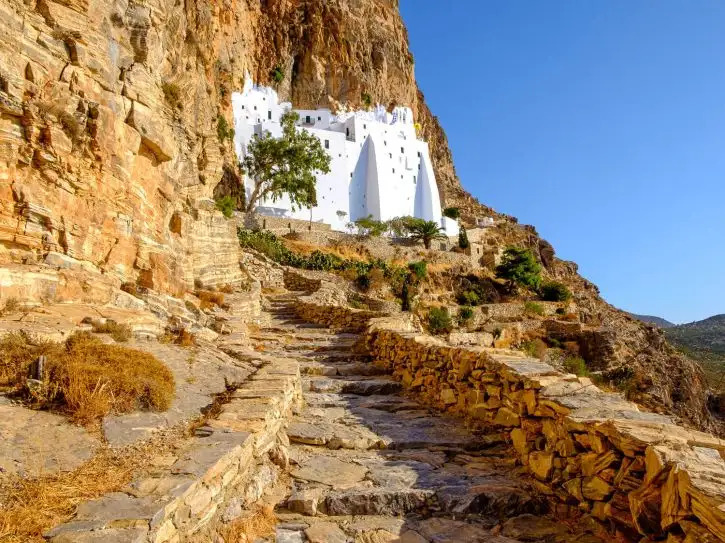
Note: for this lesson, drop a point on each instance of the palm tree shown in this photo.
(426, 231)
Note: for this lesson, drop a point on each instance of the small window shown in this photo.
(402, 150)
(365, 126)
(319, 118)
(244, 107)
(415, 180)
(327, 144)
(385, 143)
(347, 132)
(308, 119)
(418, 154)
(393, 170)
(269, 115)
(391, 155)
(350, 174)
(255, 108)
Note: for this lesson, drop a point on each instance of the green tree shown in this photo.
(286, 165)
(520, 268)
(425, 231)
(463, 242)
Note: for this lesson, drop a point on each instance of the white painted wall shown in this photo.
(378, 167)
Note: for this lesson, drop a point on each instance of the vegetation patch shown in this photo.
(465, 315)
(227, 205)
(210, 298)
(553, 291)
(119, 332)
(439, 321)
(172, 95)
(520, 268)
(223, 130)
(84, 377)
(532, 308)
(576, 365)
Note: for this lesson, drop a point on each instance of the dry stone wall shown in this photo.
(215, 476)
(586, 449)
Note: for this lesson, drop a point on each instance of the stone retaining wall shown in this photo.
(587, 449)
(218, 473)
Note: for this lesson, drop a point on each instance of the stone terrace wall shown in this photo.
(587, 450)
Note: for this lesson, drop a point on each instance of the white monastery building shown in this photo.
(379, 167)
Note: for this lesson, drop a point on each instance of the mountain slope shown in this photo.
(657, 321)
(707, 334)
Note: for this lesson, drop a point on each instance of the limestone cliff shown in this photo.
(114, 134)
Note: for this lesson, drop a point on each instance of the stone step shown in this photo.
(362, 369)
(360, 387)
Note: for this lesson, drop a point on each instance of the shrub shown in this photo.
(223, 130)
(172, 95)
(439, 321)
(576, 365)
(119, 332)
(535, 348)
(554, 291)
(465, 315)
(368, 226)
(363, 282)
(425, 231)
(179, 336)
(227, 205)
(86, 378)
(226, 289)
(277, 74)
(367, 100)
(419, 269)
(468, 297)
(519, 268)
(463, 242)
(452, 213)
(532, 308)
(406, 297)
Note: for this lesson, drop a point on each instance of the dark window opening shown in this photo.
(269, 115)
(319, 118)
(255, 108)
(418, 154)
(308, 119)
(327, 144)
(347, 132)
(402, 150)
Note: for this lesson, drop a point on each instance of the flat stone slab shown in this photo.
(38, 442)
(361, 387)
(330, 471)
(199, 374)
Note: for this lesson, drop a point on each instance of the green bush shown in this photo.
(532, 308)
(439, 321)
(277, 74)
(223, 130)
(465, 314)
(368, 226)
(419, 269)
(468, 297)
(576, 365)
(520, 268)
(452, 213)
(554, 291)
(463, 242)
(367, 100)
(226, 204)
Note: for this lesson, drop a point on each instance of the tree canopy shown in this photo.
(285, 166)
(520, 268)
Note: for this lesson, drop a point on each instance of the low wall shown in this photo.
(218, 473)
(587, 450)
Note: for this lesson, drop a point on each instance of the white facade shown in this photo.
(379, 167)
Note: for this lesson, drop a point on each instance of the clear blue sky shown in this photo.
(602, 123)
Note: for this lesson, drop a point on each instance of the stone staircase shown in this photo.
(369, 464)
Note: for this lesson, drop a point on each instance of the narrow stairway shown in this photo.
(370, 465)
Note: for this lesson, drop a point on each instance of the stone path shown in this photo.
(370, 465)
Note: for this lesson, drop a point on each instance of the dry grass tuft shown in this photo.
(226, 289)
(32, 506)
(180, 336)
(85, 378)
(245, 530)
(119, 332)
(210, 298)
(11, 306)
